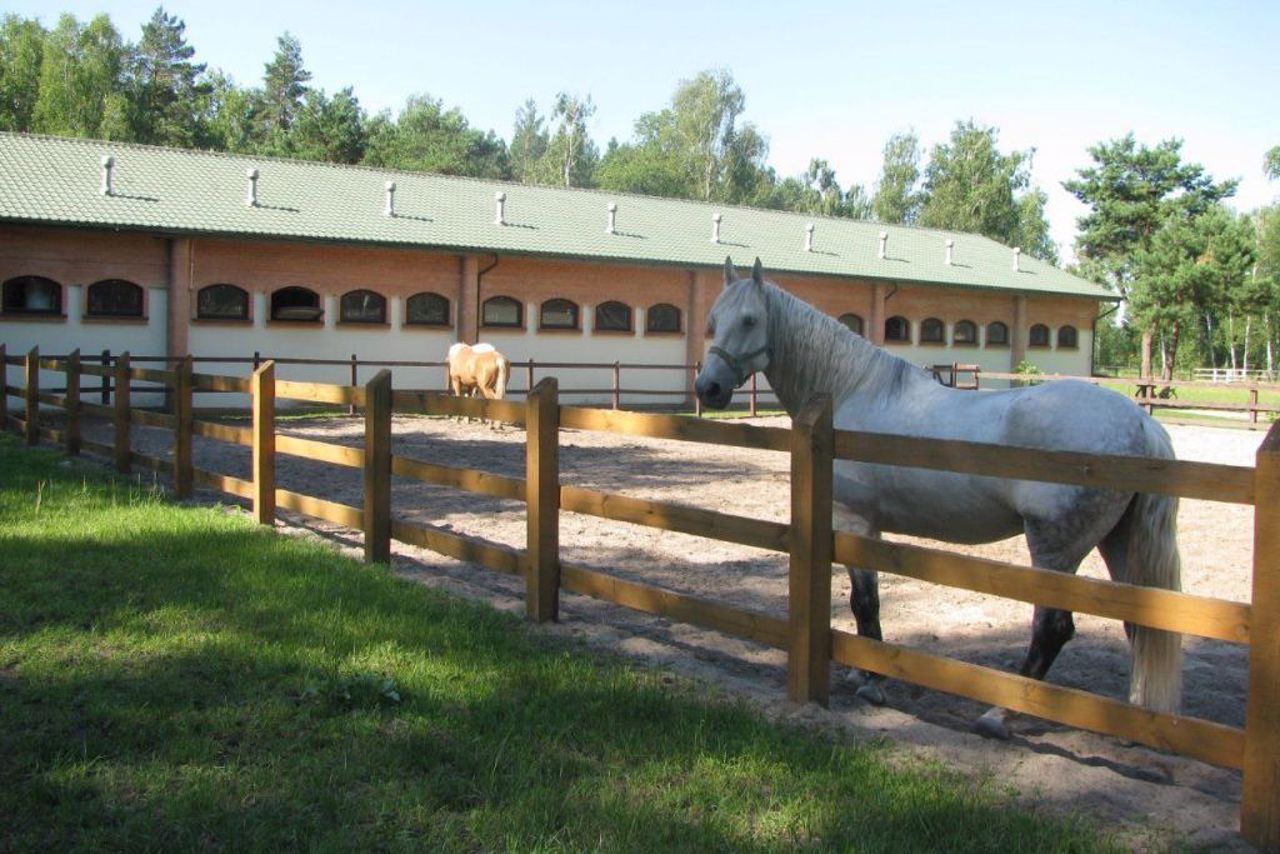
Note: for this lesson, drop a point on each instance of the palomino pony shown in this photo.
(757, 326)
(478, 370)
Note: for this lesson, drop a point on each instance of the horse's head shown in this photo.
(740, 338)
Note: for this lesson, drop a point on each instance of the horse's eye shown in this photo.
(748, 321)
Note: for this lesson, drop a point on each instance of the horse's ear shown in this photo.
(730, 274)
(757, 275)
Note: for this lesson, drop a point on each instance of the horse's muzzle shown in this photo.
(712, 393)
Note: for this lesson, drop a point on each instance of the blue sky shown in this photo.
(826, 79)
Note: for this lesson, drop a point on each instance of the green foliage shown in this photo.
(1271, 163)
(897, 198)
(168, 89)
(283, 86)
(22, 44)
(428, 138)
(969, 185)
(329, 129)
(82, 90)
(176, 678)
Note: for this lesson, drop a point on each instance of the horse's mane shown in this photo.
(813, 352)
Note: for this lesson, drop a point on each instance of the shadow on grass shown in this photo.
(177, 678)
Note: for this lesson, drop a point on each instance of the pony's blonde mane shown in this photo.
(811, 352)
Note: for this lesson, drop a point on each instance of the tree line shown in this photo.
(1193, 274)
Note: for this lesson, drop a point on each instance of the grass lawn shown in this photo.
(175, 678)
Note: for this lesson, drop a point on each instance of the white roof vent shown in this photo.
(884, 242)
(808, 238)
(108, 167)
(613, 218)
(950, 245)
(500, 212)
(1017, 255)
(715, 228)
(251, 194)
(390, 209)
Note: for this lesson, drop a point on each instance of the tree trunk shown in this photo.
(1248, 325)
(1231, 337)
(1271, 367)
(1169, 353)
(1146, 353)
(1208, 332)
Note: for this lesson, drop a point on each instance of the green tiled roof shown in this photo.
(57, 181)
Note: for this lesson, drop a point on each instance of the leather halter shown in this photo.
(735, 364)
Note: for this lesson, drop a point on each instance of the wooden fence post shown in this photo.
(617, 384)
(542, 501)
(123, 419)
(355, 382)
(182, 428)
(697, 401)
(529, 379)
(263, 388)
(809, 596)
(106, 380)
(377, 468)
(72, 402)
(1253, 405)
(1260, 797)
(33, 396)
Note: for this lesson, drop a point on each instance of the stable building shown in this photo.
(174, 252)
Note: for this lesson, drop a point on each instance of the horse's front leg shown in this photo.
(864, 601)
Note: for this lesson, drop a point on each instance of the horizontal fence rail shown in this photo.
(806, 633)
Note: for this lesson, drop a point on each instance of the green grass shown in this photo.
(175, 678)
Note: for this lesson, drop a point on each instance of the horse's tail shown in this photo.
(504, 371)
(1152, 560)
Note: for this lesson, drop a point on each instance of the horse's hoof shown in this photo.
(990, 727)
(872, 693)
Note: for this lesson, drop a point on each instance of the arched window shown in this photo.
(1039, 336)
(114, 298)
(965, 332)
(294, 303)
(852, 322)
(663, 317)
(32, 295)
(363, 306)
(897, 328)
(427, 309)
(222, 302)
(558, 314)
(613, 316)
(1067, 337)
(997, 334)
(932, 331)
(502, 311)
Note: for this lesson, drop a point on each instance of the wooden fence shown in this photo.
(805, 633)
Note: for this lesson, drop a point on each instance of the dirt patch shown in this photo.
(1148, 796)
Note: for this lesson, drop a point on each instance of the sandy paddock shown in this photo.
(1144, 793)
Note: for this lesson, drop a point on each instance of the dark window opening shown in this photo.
(662, 317)
(558, 314)
(363, 307)
(1067, 336)
(613, 317)
(222, 302)
(114, 298)
(1039, 336)
(852, 322)
(932, 331)
(427, 309)
(32, 295)
(897, 328)
(295, 303)
(997, 333)
(502, 311)
(966, 332)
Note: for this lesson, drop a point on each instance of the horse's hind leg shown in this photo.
(1051, 628)
(864, 600)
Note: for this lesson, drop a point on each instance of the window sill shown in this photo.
(965, 345)
(297, 324)
(672, 334)
(559, 330)
(106, 319)
(426, 327)
(894, 342)
(997, 346)
(615, 333)
(933, 343)
(22, 317)
(363, 324)
(1039, 347)
(1068, 346)
(503, 327)
(222, 321)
